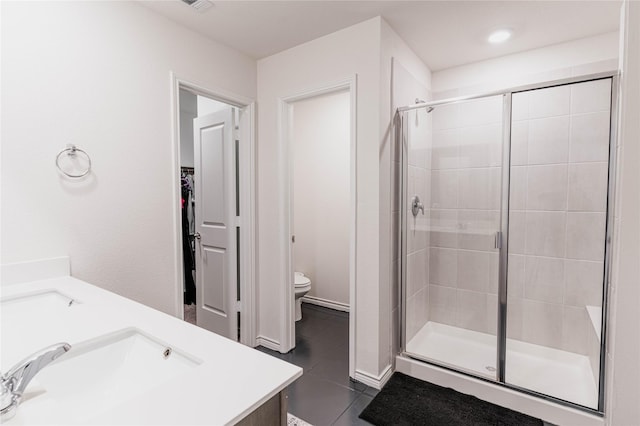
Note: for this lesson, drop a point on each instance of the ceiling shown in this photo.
(442, 33)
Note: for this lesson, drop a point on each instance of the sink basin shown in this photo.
(26, 317)
(47, 302)
(99, 374)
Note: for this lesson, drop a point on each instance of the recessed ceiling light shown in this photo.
(499, 36)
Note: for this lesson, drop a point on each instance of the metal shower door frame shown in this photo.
(402, 135)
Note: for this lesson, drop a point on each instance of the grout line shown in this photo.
(346, 409)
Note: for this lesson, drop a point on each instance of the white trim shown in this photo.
(268, 343)
(499, 395)
(353, 252)
(215, 93)
(287, 317)
(248, 243)
(247, 200)
(338, 306)
(376, 382)
(287, 329)
(177, 214)
(32, 270)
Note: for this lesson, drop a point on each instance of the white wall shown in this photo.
(100, 72)
(321, 143)
(188, 111)
(413, 79)
(623, 351)
(365, 49)
(578, 57)
(208, 106)
(338, 56)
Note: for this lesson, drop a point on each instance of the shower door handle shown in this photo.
(416, 205)
(498, 240)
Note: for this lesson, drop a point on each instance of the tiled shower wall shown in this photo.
(558, 201)
(465, 214)
(559, 179)
(406, 88)
(419, 183)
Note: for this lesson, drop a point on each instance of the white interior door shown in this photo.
(215, 213)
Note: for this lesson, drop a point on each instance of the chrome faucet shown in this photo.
(15, 381)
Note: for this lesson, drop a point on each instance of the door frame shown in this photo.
(247, 190)
(285, 107)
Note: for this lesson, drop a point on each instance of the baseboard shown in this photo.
(268, 343)
(537, 407)
(41, 269)
(338, 306)
(376, 382)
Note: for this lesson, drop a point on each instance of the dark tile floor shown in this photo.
(324, 395)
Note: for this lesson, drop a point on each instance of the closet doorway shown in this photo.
(214, 147)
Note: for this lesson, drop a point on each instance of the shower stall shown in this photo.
(505, 243)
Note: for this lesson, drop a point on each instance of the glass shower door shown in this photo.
(506, 224)
(557, 232)
(452, 215)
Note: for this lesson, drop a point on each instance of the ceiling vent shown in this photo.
(199, 5)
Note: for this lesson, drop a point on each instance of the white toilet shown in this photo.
(302, 285)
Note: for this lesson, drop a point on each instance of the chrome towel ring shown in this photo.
(72, 151)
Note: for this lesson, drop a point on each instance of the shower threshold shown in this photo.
(561, 374)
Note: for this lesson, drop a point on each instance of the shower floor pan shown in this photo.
(549, 371)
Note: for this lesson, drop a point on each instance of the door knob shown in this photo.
(197, 236)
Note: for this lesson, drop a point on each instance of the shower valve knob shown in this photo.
(416, 205)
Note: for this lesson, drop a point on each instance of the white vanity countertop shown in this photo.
(230, 382)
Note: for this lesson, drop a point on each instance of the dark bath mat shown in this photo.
(408, 401)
